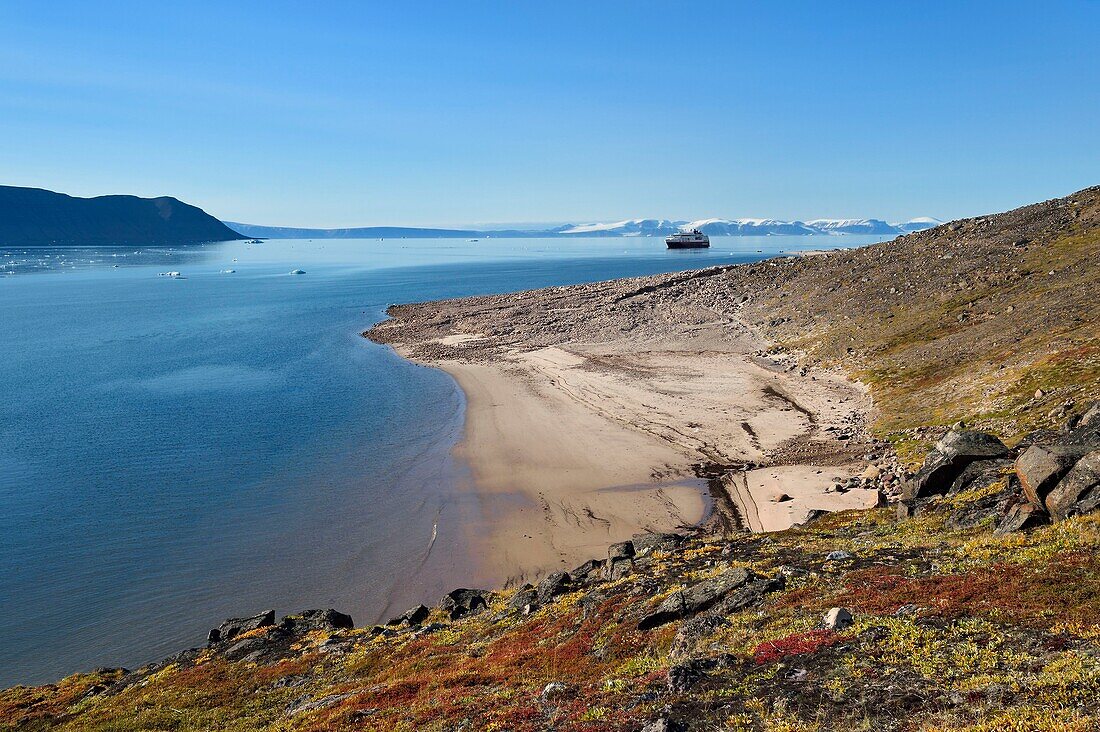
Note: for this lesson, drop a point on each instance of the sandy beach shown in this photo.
(576, 444)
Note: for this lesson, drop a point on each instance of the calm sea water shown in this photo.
(177, 451)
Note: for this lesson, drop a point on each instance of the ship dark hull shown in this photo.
(687, 244)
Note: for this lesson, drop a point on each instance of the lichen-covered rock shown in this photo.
(233, 627)
(1079, 491)
(947, 460)
(1040, 467)
(464, 602)
(646, 543)
(1022, 517)
(1091, 418)
(621, 550)
(412, 617)
(525, 601)
(309, 620)
(557, 583)
(696, 598)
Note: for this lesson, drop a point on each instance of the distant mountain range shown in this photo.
(629, 227)
(36, 217)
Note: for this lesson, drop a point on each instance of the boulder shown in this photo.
(589, 568)
(987, 508)
(696, 598)
(247, 649)
(981, 472)
(557, 583)
(646, 543)
(464, 602)
(682, 677)
(525, 601)
(1079, 491)
(692, 631)
(233, 627)
(1091, 418)
(617, 568)
(1021, 517)
(752, 593)
(1040, 467)
(308, 620)
(838, 619)
(949, 458)
(412, 617)
(622, 550)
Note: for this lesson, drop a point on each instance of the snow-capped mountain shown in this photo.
(851, 226)
(749, 227)
(744, 227)
(630, 227)
(917, 224)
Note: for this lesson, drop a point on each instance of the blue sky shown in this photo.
(338, 114)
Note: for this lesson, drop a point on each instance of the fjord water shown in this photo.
(177, 451)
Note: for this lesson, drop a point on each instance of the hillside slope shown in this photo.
(991, 320)
(36, 217)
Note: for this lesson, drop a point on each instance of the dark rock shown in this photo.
(1022, 517)
(306, 703)
(309, 620)
(981, 472)
(1040, 467)
(987, 508)
(949, 458)
(557, 583)
(621, 550)
(245, 648)
(524, 601)
(696, 598)
(412, 617)
(589, 568)
(682, 677)
(751, 594)
(694, 630)
(617, 568)
(233, 627)
(1079, 491)
(1091, 417)
(464, 602)
(648, 542)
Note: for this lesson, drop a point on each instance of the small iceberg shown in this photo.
(297, 271)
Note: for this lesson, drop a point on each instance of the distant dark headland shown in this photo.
(36, 217)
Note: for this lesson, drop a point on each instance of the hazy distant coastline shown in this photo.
(628, 227)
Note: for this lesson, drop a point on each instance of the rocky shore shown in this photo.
(977, 598)
(965, 596)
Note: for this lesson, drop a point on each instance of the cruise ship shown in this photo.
(693, 239)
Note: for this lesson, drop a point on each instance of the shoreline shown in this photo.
(577, 445)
